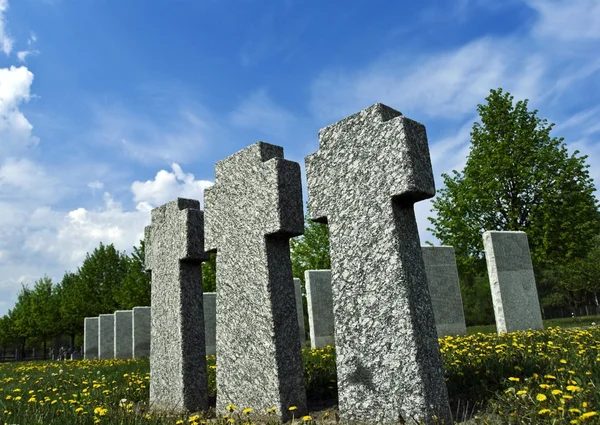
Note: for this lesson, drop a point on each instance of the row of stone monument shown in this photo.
(120, 335)
(363, 182)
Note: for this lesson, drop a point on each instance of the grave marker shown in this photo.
(514, 294)
(444, 288)
(90, 338)
(300, 311)
(210, 322)
(174, 253)
(123, 334)
(363, 181)
(106, 336)
(252, 211)
(320, 307)
(140, 323)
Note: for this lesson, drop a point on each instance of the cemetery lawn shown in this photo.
(548, 377)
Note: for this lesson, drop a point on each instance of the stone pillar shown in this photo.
(140, 322)
(444, 288)
(320, 307)
(174, 253)
(106, 336)
(300, 311)
(123, 334)
(514, 294)
(363, 181)
(210, 322)
(252, 211)
(90, 338)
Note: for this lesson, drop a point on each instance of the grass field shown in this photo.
(547, 377)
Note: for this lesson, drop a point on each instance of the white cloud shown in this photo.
(567, 19)
(259, 112)
(24, 181)
(180, 137)
(15, 129)
(167, 186)
(6, 42)
(95, 185)
(447, 84)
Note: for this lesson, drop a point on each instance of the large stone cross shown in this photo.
(363, 181)
(251, 212)
(174, 253)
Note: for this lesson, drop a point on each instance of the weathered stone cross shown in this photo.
(363, 181)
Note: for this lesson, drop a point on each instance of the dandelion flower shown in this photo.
(307, 418)
(541, 397)
(292, 408)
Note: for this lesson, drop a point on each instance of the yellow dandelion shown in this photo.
(588, 415)
(521, 392)
(514, 379)
(306, 418)
(231, 407)
(541, 397)
(247, 410)
(544, 412)
(292, 408)
(556, 392)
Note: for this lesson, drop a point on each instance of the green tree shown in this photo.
(311, 250)
(22, 317)
(75, 303)
(101, 276)
(135, 289)
(209, 274)
(45, 311)
(517, 177)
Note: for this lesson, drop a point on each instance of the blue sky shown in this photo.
(110, 108)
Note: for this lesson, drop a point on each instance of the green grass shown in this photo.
(565, 323)
(547, 377)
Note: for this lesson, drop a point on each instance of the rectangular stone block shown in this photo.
(210, 322)
(514, 294)
(106, 336)
(90, 338)
(320, 307)
(300, 311)
(174, 255)
(252, 211)
(444, 288)
(141, 319)
(123, 334)
(370, 169)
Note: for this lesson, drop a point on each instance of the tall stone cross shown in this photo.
(363, 181)
(174, 253)
(251, 212)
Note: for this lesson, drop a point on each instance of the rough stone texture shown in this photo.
(444, 288)
(252, 211)
(369, 171)
(210, 322)
(320, 307)
(123, 334)
(90, 338)
(514, 294)
(300, 311)
(174, 253)
(141, 331)
(106, 336)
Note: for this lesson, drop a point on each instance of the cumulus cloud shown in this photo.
(15, 129)
(6, 42)
(96, 185)
(167, 186)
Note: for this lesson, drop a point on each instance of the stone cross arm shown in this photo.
(375, 154)
(176, 232)
(255, 176)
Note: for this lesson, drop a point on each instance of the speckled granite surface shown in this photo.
(123, 334)
(320, 307)
(174, 252)
(370, 169)
(90, 338)
(141, 331)
(514, 294)
(251, 212)
(106, 336)
(444, 288)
